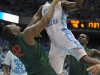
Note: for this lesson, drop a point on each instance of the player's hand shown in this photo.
(56, 1)
(94, 69)
(39, 35)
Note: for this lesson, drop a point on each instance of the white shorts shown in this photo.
(61, 45)
(57, 58)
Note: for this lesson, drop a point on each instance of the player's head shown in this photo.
(10, 31)
(83, 39)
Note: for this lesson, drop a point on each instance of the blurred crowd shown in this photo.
(89, 11)
(3, 51)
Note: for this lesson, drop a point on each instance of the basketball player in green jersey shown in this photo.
(76, 67)
(29, 51)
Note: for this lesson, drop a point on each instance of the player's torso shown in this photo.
(31, 56)
(57, 22)
(89, 52)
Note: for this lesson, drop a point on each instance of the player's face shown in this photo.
(14, 27)
(83, 39)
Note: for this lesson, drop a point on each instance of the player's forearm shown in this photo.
(96, 53)
(47, 17)
(89, 61)
(32, 20)
(79, 3)
(40, 25)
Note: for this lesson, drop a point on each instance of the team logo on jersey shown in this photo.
(88, 53)
(17, 51)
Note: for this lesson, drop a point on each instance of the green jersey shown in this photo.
(78, 68)
(34, 58)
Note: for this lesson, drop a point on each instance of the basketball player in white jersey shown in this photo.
(17, 68)
(63, 41)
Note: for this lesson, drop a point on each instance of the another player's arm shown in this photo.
(83, 57)
(6, 69)
(94, 69)
(30, 32)
(32, 20)
(39, 26)
(36, 17)
(88, 60)
(96, 52)
(71, 6)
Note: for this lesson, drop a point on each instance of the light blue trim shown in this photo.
(69, 34)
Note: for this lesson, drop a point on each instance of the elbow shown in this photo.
(78, 6)
(84, 59)
(45, 20)
(89, 61)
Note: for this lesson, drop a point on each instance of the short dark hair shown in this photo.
(7, 34)
(86, 36)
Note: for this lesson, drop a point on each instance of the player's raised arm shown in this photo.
(33, 30)
(71, 6)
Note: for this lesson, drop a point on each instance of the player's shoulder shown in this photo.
(9, 52)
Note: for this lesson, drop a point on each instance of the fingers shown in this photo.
(94, 69)
(91, 68)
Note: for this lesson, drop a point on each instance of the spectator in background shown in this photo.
(13, 65)
(0, 58)
(76, 67)
(2, 62)
(0, 46)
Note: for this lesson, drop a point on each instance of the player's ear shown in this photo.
(15, 33)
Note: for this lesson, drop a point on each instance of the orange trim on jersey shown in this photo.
(88, 53)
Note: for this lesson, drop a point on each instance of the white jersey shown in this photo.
(17, 68)
(62, 39)
(58, 31)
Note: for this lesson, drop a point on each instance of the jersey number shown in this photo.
(16, 51)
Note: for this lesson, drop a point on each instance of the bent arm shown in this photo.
(32, 20)
(33, 30)
(96, 53)
(89, 60)
(82, 56)
(71, 6)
